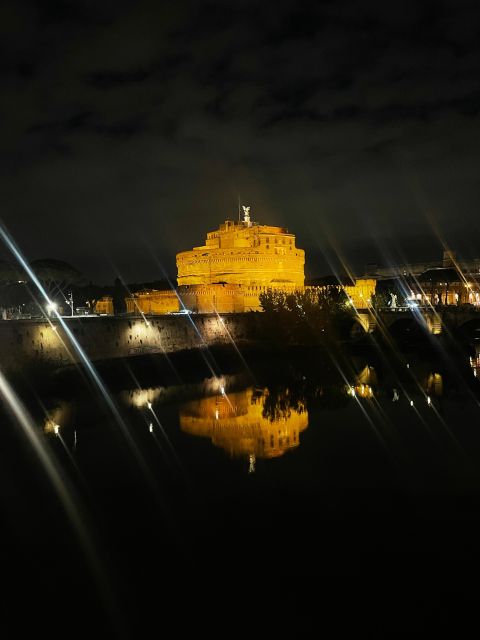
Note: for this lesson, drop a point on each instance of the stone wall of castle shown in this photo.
(153, 302)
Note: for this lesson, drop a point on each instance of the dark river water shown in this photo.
(290, 493)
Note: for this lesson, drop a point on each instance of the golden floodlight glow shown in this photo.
(245, 424)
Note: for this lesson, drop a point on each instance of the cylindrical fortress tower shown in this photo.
(244, 253)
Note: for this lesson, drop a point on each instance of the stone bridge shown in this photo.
(433, 320)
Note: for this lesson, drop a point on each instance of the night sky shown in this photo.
(130, 128)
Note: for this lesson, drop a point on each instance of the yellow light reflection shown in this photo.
(434, 385)
(239, 424)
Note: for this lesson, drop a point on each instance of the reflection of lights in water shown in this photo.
(362, 390)
(247, 423)
(434, 384)
(475, 363)
(140, 398)
(59, 415)
(364, 381)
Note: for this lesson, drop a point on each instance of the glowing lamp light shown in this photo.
(56, 429)
(150, 427)
(52, 306)
(149, 405)
(222, 390)
(411, 403)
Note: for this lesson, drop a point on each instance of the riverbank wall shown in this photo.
(23, 342)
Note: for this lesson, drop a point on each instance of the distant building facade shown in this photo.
(449, 260)
(446, 282)
(104, 306)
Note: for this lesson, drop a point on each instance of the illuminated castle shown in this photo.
(229, 272)
(239, 261)
(244, 253)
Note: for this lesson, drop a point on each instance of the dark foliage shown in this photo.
(314, 316)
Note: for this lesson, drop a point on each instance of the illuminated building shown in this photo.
(240, 424)
(104, 305)
(153, 302)
(239, 260)
(446, 287)
(244, 253)
(449, 281)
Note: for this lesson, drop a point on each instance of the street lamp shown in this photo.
(69, 301)
(51, 308)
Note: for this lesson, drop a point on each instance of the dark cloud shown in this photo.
(130, 128)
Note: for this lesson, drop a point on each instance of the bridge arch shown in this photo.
(362, 323)
(469, 329)
(406, 327)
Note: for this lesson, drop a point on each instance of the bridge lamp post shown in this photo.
(69, 301)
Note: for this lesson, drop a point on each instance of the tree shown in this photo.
(10, 273)
(120, 292)
(90, 294)
(56, 276)
(311, 316)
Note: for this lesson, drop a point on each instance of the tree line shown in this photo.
(316, 316)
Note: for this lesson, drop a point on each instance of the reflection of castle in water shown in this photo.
(245, 423)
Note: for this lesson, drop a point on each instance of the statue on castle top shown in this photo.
(246, 215)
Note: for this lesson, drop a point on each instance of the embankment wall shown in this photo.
(102, 338)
